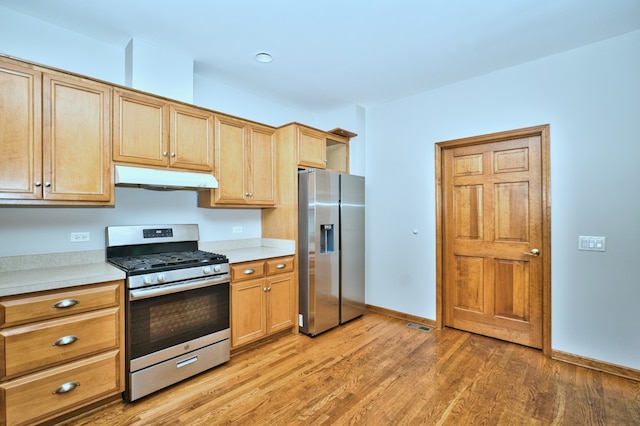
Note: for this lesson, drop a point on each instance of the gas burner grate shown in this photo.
(150, 262)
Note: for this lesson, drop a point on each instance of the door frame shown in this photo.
(543, 132)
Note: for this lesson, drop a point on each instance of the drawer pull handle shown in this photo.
(187, 362)
(67, 387)
(249, 271)
(66, 340)
(281, 265)
(66, 303)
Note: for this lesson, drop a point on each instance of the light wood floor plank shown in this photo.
(377, 371)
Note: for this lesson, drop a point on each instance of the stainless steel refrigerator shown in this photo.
(331, 249)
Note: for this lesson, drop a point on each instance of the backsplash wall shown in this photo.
(37, 230)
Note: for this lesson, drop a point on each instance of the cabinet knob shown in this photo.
(37, 184)
(281, 265)
(173, 154)
(249, 271)
(165, 153)
(47, 184)
(67, 387)
(264, 289)
(268, 288)
(248, 194)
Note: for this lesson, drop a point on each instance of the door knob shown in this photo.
(533, 252)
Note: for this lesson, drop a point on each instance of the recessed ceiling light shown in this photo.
(264, 57)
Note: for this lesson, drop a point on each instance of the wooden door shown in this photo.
(191, 138)
(76, 139)
(260, 165)
(312, 148)
(494, 244)
(248, 311)
(140, 129)
(20, 132)
(280, 302)
(230, 161)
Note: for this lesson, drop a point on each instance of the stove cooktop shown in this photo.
(165, 261)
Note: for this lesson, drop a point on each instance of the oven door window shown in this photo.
(161, 322)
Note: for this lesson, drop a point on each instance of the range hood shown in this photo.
(163, 180)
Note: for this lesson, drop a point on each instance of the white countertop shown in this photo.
(62, 270)
(55, 277)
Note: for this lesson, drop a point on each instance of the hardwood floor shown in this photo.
(377, 371)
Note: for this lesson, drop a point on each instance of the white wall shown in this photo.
(591, 98)
(34, 40)
(31, 230)
(220, 97)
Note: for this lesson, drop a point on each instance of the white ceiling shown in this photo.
(334, 53)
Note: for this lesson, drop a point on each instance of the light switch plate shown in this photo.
(590, 243)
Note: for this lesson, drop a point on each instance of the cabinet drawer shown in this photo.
(247, 271)
(22, 309)
(279, 265)
(33, 398)
(52, 342)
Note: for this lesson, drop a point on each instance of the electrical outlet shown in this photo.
(237, 230)
(80, 237)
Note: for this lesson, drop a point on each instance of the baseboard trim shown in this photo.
(401, 315)
(594, 364)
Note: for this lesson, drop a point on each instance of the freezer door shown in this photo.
(352, 249)
(318, 237)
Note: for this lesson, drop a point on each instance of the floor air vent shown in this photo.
(419, 327)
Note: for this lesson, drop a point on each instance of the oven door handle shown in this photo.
(145, 293)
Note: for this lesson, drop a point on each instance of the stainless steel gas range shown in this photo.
(177, 304)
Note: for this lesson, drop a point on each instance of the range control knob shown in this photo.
(217, 268)
(207, 270)
(148, 279)
(162, 278)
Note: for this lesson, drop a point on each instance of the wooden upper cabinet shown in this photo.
(20, 132)
(230, 165)
(152, 131)
(76, 139)
(260, 164)
(312, 148)
(191, 138)
(54, 137)
(140, 129)
(244, 165)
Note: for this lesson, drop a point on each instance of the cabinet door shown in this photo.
(248, 315)
(76, 139)
(230, 161)
(191, 138)
(140, 129)
(20, 132)
(281, 302)
(260, 165)
(311, 148)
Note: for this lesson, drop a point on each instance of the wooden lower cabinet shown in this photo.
(263, 299)
(55, 391)
(62, 350)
